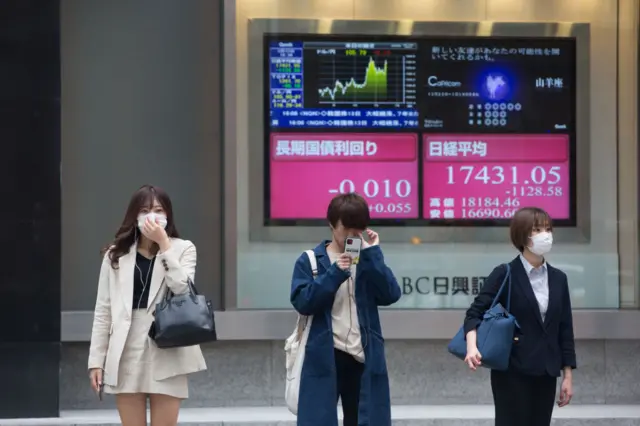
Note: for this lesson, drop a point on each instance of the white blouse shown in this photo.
(539, 279)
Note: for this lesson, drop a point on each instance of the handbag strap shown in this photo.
(192, 290)
(302, 320)
(507, 278)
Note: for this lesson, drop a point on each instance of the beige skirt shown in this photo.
(135, 372)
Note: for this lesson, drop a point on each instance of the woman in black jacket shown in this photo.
(543, 345)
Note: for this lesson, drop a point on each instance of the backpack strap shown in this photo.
(313, 262)
(302, 321)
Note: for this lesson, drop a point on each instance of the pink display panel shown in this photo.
(491, 176)
(308, 170)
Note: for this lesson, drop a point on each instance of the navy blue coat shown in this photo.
(375, 286)
(540, 348)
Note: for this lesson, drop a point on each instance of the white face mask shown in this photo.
(541, 243)
(158, 218)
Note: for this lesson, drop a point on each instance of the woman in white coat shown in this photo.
(144, 261)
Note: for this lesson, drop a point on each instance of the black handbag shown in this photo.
(183, 320)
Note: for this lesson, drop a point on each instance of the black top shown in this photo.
(540, 347)
(142, 274)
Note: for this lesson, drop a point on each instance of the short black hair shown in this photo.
(351, 209)
(524, 221)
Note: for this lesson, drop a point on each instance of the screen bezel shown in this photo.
(267, 221)
(244, 154)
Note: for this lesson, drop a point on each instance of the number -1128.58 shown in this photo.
(536, 191)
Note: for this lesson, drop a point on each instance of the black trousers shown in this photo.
(522, 400)
(349, 373)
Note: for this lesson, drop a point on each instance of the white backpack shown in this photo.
(294, 349)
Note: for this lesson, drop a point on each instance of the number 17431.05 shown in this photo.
(497, 175)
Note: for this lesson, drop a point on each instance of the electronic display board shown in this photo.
(341, 84)
(498, 85)
(494, 175)
(431, 130)
(315, 167)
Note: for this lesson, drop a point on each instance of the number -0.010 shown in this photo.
(372, 189)
(497, 175)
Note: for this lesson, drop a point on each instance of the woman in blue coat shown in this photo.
(344, 355)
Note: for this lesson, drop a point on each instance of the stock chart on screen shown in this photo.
(342, 84)
(435, 131)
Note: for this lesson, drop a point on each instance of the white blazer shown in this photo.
(112, 317)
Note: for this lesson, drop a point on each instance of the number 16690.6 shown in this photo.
(497, 175)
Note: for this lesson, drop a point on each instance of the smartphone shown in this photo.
(352, 246)
(100, 390)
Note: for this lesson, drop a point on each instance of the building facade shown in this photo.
(102, 97)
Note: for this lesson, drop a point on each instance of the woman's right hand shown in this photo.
(95, 377)
(344, 261)
(473, 358)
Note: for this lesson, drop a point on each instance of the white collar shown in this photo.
(528, 267)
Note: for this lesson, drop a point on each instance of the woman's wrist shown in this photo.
(164, 245)
(471, 339)
(346, 270)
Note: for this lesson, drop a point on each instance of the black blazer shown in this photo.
(539, 348)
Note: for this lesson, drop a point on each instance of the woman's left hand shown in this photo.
(154, 232)
(566, 392)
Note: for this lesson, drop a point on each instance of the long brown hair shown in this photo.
(126, 235)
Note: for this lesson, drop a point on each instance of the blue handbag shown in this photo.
(494, 334)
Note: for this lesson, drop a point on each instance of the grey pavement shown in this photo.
(408, 415)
